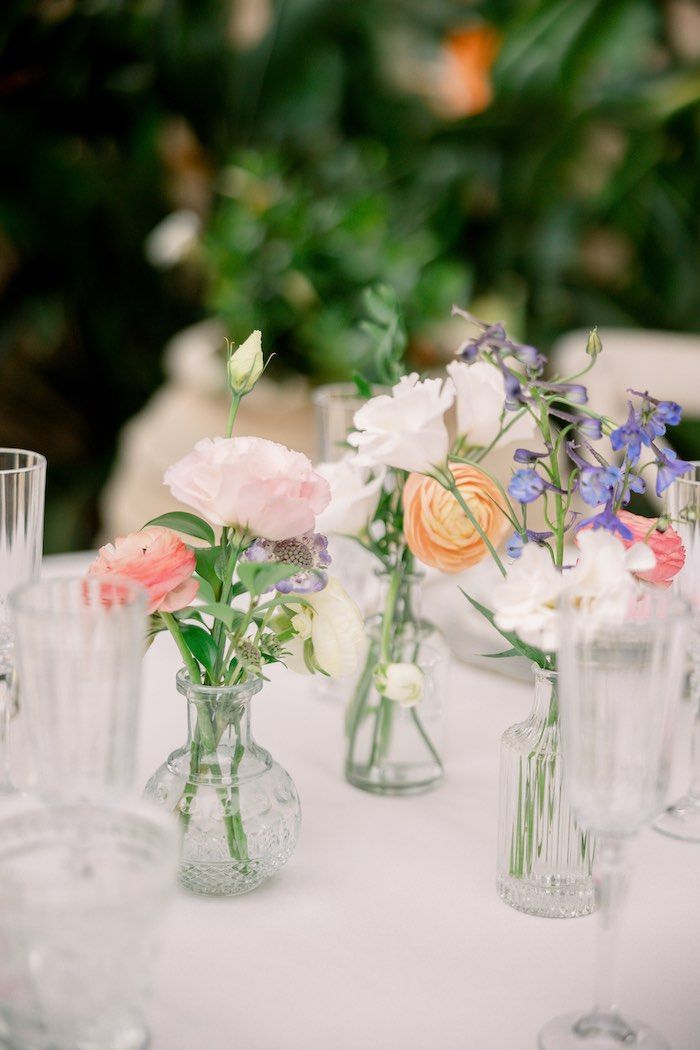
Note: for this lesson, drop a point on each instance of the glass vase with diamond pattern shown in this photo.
(238, 809)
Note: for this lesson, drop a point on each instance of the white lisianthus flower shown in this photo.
(602, 582)
(330, 623)
(480, 396)
(405, 429)
(525, 602)
(355, 493)
(400, 682)
(246, 365)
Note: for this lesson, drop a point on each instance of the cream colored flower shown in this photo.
(480, 399)
(329, 632)
(355, 493)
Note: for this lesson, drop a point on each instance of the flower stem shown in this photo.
(233, 412)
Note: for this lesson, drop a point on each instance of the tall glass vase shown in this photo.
(238, 809)
(394, 745)
(544, 858)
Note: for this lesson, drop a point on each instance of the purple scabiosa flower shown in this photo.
(514, 546)
(607, 520)
(526, 486)
(669, 467)
(630, 436)
(309, 551)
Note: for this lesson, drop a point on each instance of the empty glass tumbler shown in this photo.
(79, 647)
(620, 683)
(22, 485)
(83, 891)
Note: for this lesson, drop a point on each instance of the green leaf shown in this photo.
(219, 611)
(202, 646)
(206, 567)
(364, 388)
(257, 577)
(182, 521)
(206, 591)
(500, 656)
(530, 652)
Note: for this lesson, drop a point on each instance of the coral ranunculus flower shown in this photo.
(156, 558)
(667, 547)
(438, 531)
(469, 55)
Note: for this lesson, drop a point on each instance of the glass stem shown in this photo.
(609, 878)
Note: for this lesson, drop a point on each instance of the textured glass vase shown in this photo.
(238, 809)
(394, 749)
(544, 859)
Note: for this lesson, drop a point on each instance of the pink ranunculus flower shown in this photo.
(250, 483)
(156, 558)
(667, 547)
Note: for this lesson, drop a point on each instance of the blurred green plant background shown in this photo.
(538, 159)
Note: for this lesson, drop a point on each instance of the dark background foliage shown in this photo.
(317, 143)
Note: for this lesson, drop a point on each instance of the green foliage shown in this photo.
(320, 166)
(189, 524)
(258, 577)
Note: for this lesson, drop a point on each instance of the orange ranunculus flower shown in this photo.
(469, 55)
(438, 531)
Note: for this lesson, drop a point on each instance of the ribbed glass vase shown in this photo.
(238, 808)
(394, 748)
(544, 859)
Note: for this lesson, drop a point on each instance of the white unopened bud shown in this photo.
(400, 682)
(246, 364)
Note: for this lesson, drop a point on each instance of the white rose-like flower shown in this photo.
(525, 602)
(480, 396)
(355, 493)
(602, 583)
(405, 429)
(400, 682)
(246, 364)
(333, 624)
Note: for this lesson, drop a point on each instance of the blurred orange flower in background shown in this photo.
(438, 531)
(468, 57)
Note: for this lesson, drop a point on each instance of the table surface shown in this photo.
(384, 931)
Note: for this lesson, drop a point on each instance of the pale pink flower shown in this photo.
(250, 483)
(156, 558)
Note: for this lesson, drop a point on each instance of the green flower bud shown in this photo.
(245, 365)
(594, 345)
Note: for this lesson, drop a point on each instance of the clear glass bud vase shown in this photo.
(544, 859)
(238, 808)
(394, 721)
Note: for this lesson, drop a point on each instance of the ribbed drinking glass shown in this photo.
(83, 891)
(22, 485)
(620, 683)
(682, 819)
(79, 646)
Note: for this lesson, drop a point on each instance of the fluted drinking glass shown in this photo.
(83, 891)
(335, 404)
(22, 485)
(682, 819)
(620, 683)
(79, 646)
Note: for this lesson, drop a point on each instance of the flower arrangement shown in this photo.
(253, 593)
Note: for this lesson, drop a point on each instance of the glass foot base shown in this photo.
(682, 820)
(395, 778)
(552, 897)
(610, 1032)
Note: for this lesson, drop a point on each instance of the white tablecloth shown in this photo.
(384, 931)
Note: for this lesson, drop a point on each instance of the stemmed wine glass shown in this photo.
(620, 683)
(22, 484)
(682, 819)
